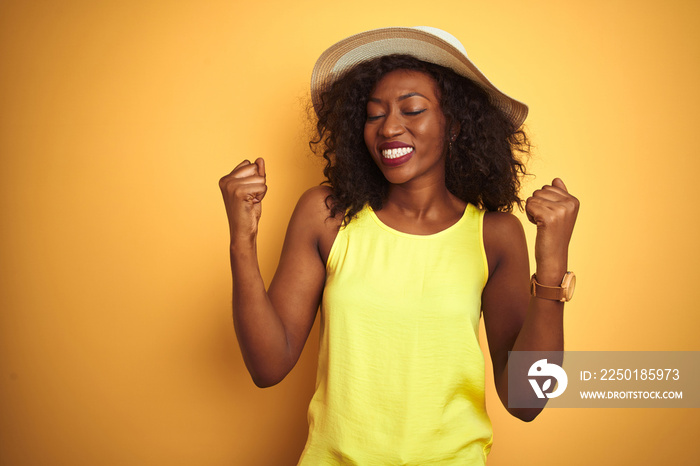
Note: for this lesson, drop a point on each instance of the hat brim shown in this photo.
(407, 41)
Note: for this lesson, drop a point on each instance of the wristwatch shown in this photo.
(562, 293)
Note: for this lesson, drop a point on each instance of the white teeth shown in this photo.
(396, 153)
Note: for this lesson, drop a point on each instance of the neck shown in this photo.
(421, 201)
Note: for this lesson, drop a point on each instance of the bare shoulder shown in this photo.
(501, 224)
(314, 207)
(503, 237)
(313, 201)
(312, 215)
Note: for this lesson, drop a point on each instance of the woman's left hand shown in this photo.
(554, 212)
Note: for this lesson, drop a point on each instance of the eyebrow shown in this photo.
(403, 97)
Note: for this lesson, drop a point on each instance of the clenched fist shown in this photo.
(554, 212)
(243, 190)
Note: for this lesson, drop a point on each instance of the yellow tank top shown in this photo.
(400, 371)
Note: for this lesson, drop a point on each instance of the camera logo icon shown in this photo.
(543, 369)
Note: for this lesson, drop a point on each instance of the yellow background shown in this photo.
(118, 118)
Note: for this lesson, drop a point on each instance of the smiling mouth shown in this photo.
(396, 153)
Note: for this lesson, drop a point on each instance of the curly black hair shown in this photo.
(486, 160)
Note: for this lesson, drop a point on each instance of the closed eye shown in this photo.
(413, 113)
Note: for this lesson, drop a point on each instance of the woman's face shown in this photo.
(405, 128)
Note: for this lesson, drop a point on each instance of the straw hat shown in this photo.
(425, 43)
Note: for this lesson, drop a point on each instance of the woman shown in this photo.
(407, 244)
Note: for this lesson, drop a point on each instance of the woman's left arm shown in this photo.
(514, 320)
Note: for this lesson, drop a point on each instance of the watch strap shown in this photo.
(555, 293)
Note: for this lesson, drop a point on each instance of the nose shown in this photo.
(391, 126)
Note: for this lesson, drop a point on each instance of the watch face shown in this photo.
(569, 285)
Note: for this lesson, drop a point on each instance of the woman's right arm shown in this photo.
(272, 326)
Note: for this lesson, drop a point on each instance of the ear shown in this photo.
(455, 128)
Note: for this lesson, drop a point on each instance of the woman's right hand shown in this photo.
(243, 190)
